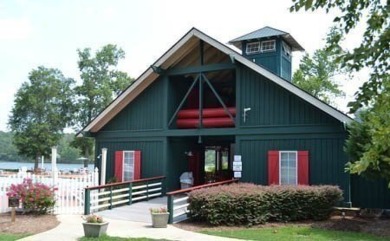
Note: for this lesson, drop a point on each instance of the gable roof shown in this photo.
(178, 50)
(265, 33)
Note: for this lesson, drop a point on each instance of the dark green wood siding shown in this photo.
(272, 105)
(144, 113)
(370, 193)
(326, 157)
(153, 161)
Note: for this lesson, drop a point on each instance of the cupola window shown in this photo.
(286, 50)
(252, 48)
(267, 46)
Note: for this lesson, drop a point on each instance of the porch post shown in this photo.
(54, 171)
(103, 167)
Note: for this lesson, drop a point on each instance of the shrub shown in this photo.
(249, 204)
(37, 198)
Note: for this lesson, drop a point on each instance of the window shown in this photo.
(286, 50)
(252, 48)
(267, 46)
(127, 165)
(288, 167)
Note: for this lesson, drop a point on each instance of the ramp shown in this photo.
(137, 212)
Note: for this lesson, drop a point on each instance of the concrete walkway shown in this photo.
(137, 212)
(70, 229)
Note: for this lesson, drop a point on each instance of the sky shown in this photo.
(48, 33)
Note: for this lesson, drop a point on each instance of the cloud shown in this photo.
(15, 29)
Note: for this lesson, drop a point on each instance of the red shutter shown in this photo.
(119, 165)
(137, 165)
(273, 167)
(303, 168)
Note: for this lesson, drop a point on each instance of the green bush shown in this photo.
(249, 204)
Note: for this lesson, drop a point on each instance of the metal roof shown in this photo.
(267, 32)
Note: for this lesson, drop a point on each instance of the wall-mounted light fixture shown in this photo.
(244, 114)
(188, 153)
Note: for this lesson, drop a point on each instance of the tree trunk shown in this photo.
(36, 162)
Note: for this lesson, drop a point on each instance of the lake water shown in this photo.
(47, 166)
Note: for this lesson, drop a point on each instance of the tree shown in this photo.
(42, 109)
(102, 82)
(316, 75)
(68, 153)
(368, 144)
(8, 151)
(373, 51)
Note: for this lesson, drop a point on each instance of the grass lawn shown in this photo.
(294, 233)
(11, 237)
(109, 238)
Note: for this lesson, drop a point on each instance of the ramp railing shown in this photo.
(111, 195)
(178, 200)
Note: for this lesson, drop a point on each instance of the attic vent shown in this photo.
(252, 48)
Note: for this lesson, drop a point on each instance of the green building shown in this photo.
(254, 120)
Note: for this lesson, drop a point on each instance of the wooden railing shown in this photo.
(178, 200)
(122, 193)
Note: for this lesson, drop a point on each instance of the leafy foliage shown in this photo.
(317, 73)
(373, 51)
(249, 204)
(102, 82)
(8, 151)
(37, 198)
(43, 108)
(368, 145)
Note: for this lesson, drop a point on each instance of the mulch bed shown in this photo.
(27, 224)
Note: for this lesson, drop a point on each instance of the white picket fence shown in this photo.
(69, 192)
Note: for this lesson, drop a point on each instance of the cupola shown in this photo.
(270, 48)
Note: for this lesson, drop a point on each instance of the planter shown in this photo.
(160, 220)
(95, 229)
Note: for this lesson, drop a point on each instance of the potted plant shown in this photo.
(160, 217)
(94, 226)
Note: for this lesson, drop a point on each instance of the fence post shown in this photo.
(110, 197)
(147, 190)
(87, 202)
(130, 193)
(170, 208)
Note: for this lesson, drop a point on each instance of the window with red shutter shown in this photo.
(127, 165)
(288, 167)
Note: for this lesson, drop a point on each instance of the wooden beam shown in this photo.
(198, 69)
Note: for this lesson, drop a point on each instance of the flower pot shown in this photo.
(160, 220)
(95, 229)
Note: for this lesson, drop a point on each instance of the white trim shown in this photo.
(194, 32)
(252, 52)
(266, 42)
(296, 166)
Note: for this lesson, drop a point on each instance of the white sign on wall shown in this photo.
(237, 166)
(237, 174)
